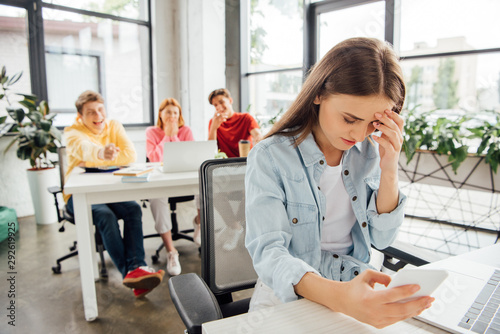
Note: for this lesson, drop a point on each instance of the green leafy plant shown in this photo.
(489, 134)
(33, 127)
(443, 136)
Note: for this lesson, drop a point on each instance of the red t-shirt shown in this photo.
(232, 131)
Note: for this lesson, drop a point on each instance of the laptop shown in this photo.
(187, 156)
(468, 300)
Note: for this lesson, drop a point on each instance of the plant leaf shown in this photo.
(35, 116)
(45, 125)
(15, 78)
(28, 104)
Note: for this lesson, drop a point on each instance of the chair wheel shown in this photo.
(103, 275)
(56, 269)
(154, 258)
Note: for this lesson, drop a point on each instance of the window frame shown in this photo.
(37, 49)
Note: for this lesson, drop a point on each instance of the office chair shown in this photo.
(209, 298)
(176, 234)
(222, 192)
(64, 216)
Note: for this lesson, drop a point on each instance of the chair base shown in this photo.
(103, 272)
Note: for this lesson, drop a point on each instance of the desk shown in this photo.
(304, 316)
(96, 188)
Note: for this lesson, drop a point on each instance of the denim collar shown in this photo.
(311, 154)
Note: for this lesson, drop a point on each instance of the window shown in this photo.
(101, 45)
(449, 52)
(14, 33)
(274, 62)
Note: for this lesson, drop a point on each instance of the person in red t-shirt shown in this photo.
(229, 127)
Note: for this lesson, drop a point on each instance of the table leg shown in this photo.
(84, 229)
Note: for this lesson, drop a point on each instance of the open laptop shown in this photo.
(468, 300)
(187, 156)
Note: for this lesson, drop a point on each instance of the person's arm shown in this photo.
(214, 124)
(254, 129)
(256, 135)
(358, 299)
(185, 133)
(390, 144)
(127, 153)
(80, 147)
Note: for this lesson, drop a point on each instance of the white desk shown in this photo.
(304, 316)
(95, 188)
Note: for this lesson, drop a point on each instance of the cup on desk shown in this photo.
(244, 147)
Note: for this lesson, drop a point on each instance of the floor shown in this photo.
(49, 303)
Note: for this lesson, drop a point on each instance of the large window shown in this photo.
(274, 61)
(449, 50)
(103, 45)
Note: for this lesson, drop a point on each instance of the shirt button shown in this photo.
(295, 220)
(323, 217)
(356, 273)
(346, 172)
(335, 256)
(342, 268)
(355, 198)
(319, 188)
(321, 162)
(364, 224)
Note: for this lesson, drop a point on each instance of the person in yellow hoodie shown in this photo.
(94, 141)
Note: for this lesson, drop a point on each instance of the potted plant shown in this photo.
(36, 136)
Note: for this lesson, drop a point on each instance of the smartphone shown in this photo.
(428, 279)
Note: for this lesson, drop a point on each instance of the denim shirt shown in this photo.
(285, 210)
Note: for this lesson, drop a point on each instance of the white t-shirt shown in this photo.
(339, 217)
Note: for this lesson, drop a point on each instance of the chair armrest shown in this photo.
(54, 190)
(406, 253)
(194, 301)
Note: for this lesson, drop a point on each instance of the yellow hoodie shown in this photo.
(82, 145)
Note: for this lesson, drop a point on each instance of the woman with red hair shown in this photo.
(169, 127)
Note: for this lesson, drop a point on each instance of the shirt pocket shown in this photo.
(303, 224)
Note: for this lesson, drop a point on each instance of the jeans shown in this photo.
(127, 253)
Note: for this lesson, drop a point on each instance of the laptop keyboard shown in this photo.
(484, 316)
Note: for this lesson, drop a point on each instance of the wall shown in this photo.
(189, 62)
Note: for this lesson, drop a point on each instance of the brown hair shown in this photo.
(87, 96)
(169, 102)
(356, 66)
(220, 91)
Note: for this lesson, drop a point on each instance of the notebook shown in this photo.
(187, 156)
(468, 300)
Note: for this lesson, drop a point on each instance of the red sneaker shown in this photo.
(138, 293)
(143, 278)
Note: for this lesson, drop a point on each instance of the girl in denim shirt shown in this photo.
(319, 192)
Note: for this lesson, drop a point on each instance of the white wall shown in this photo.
(189, 62)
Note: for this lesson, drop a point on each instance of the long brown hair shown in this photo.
(356, 66)
(167, 102)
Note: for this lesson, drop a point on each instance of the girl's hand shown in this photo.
(390, 143)
(171, 127)
(379, 308)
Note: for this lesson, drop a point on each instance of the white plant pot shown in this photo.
(43, 201)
